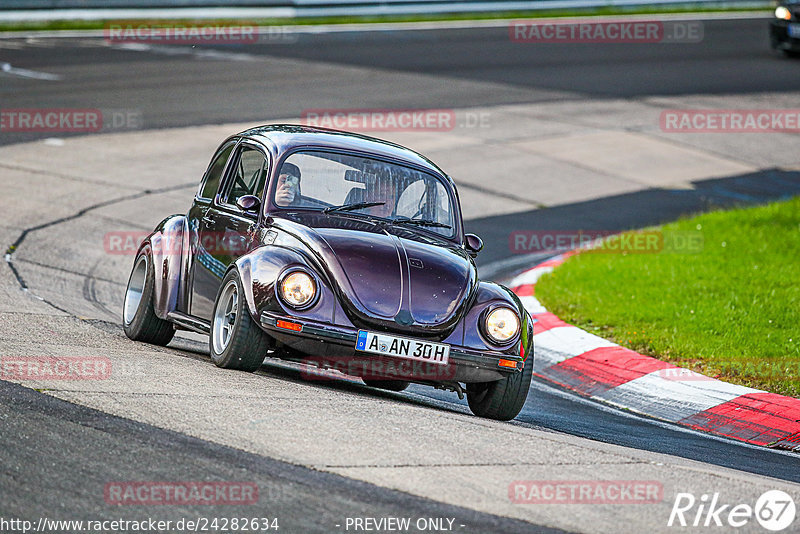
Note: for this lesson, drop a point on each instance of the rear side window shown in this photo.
(214, 173)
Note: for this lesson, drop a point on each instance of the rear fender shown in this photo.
(167, 243)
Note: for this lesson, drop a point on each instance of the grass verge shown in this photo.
(730, 310)
(52, 25)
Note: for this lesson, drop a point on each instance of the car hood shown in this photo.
(389, 276)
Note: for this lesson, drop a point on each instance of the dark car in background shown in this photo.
(784, 28)
(325, 247)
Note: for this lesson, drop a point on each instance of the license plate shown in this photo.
(402, 347)
(794, 30)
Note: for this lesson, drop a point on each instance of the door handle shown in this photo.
(208, 219)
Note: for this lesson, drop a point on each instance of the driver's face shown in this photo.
(287, 189)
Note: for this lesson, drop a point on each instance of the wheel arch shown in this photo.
(259, 270)
(168, 244)
(488, 294)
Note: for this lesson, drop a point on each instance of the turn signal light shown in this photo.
(295, 327)
(507, 363)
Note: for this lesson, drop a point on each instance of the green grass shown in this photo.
(731, 310)
(604, 11)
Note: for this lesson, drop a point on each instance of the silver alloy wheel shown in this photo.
(225, 317)
(133, 295)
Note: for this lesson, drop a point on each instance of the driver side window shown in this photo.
(248, 175)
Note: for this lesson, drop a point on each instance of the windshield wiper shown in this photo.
(420, 222)
(351, 207)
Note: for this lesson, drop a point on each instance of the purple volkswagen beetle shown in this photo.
(340, 251)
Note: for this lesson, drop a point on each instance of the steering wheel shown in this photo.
(239, 180)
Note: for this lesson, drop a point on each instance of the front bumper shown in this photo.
(325, 339)
(780, 38)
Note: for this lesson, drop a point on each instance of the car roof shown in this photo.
(285, 137)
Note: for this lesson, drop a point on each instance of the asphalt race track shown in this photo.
(324, 451)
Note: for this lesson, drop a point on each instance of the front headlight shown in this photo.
(298, 289)
(782, 12)
(502, 324)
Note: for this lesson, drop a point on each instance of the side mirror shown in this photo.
(474, 244)
(248, 203)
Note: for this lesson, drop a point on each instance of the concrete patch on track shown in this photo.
(636, 158)
(93, 185)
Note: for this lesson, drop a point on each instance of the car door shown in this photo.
(224, 231)
(199, 221)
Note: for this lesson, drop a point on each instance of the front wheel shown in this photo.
(236, 342)
(139, 319)
(503, 399)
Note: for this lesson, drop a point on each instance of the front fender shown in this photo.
(487, 295)
(167, 243)
(259, 271)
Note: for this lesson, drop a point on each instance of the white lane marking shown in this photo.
(7, 68)
(169, 50)
(43, 43)
(672, 400)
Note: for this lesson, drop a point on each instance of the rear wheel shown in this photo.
(236, 342)
(139, 319)
(503, 399)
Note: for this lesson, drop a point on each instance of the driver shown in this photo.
(288, 189)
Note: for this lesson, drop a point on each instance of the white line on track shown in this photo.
(200, 53)
(7, 68)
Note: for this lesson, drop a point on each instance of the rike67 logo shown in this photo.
(774, 510)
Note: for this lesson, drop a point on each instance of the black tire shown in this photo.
(236, 341)
(503, 399)
(390, 385)
(139, 319)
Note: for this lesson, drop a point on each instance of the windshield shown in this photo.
(341, 182)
